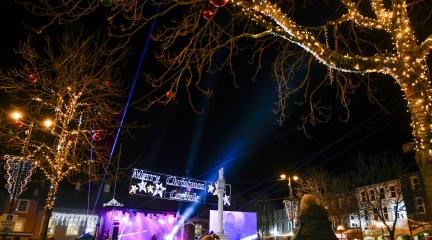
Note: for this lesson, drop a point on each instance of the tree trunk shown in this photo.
(425, 165)
(391, 235)
(45, 223)
(418, 93)
(49, 204)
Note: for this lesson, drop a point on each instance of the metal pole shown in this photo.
(289, 186)
(220, 194)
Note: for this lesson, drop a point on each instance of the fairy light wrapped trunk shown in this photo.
(63, 90)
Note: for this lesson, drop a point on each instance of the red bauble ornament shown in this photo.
(97, 135)
(207, 14)
(13, 140)
(32, 78)
(19, 124)
(108, 83)
(170, 94)
(219, 3)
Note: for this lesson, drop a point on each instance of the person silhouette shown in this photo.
(313, 222)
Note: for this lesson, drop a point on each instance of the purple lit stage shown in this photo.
(237, 225)
(124, 224)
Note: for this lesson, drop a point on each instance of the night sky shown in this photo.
(237, 128)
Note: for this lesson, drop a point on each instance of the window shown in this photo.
(363, 196)
(22, 205)
(392, 191)
(51, 227)
(420, 205)
(386, 215)
(72, 229)
(366, 214)
(376, 218)
(352, 217)
(400, 215)
(353, 225)
(372, 195)
(382, 193)
(19, 225)
(415, 183)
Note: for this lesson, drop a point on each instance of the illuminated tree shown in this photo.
(348, 43)
(66, 95)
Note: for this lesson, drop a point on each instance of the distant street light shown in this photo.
(294, 177)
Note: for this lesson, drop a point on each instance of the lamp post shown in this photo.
(20, 168)
(340, 229)
(290, 205)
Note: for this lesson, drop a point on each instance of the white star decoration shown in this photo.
(226, 200)
(142, 186)
(210, 188)
(159, 189)
(133, 189)
(150, 189)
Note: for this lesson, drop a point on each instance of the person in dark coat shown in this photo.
(313, 222)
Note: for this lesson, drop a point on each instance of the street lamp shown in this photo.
(340, 229)
(290, 205)
(294, 177)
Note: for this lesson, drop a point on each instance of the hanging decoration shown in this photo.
(208, 14)
(66, 219)
(32, 78)
(219, 3)
(107, 3)
(19, 124)
(18, 173)
(170, 94)
(108, 83)
(13, 140)
(97, 135)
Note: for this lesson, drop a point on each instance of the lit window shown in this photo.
(19, 225)
(372, 195)
(22, 205)
(392, 191)
(72, 229)
(51, 227)
(386, 215)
